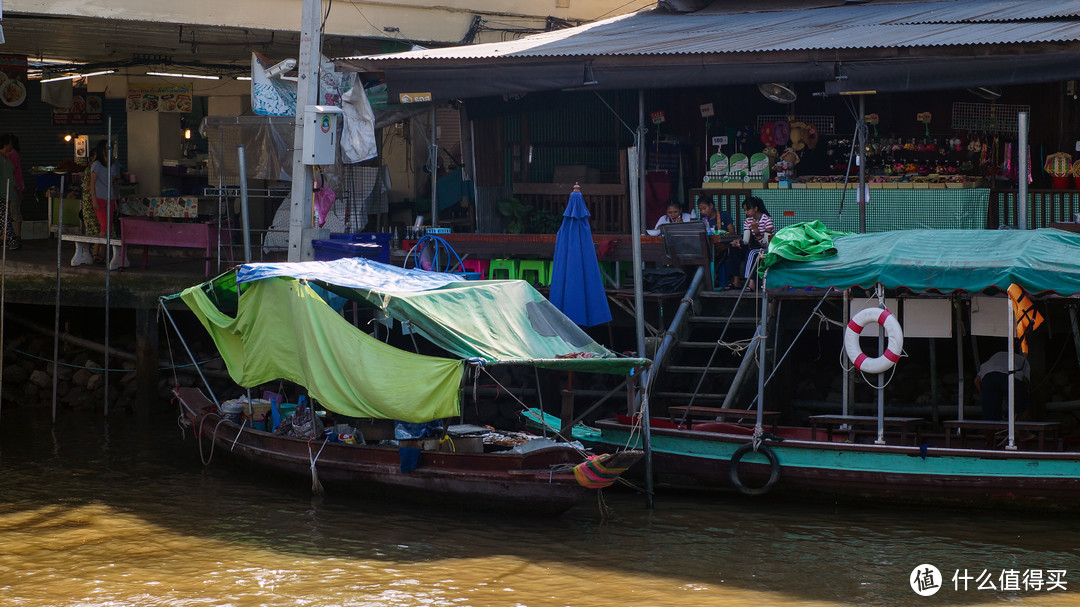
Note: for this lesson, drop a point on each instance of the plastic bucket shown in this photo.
(232, 411)
(287, 409)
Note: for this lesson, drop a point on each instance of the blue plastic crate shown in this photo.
(329, 250)
(470, 275)
(380, 238)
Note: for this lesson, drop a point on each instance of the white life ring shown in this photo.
(854, 352)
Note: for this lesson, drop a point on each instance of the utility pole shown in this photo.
(307, 93)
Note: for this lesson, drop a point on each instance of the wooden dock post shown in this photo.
(146, 356)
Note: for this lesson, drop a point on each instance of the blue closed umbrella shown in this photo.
(576, 285)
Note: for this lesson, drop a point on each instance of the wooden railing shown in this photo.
(1044, 207)
(608, 203)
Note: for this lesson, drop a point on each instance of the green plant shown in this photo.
(544, 221)
(516, 212)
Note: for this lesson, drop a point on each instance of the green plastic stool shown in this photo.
(538, 268)
(499, 267)
(608, 275)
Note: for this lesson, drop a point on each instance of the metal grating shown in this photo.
(987, 117)
(825, 125)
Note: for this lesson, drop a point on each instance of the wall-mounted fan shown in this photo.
(989, 93)
(775, 91)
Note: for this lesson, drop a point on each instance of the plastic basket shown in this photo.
(380, 238)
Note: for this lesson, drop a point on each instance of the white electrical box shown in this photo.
(320, 133)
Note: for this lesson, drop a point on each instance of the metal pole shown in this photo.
(244, 213)
(56, 319)
(433, 164)
(3, 282)
(959, 322)
(307, 93)
(108, 256)
(763, 335)
(861, 130)
(846, 368)
(1022, 177)
(472, 174)
(1012, 379)
(194, 363)
(639, 298)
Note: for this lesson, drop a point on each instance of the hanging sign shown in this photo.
(159, 97)
(85, 110)
(414, 97)
(12, 80)
(706, 110)
(657, 117)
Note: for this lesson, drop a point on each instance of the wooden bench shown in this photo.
(854, 422)
(143, 231)
(719, 414)
(990, 427)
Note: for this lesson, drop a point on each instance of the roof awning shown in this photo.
(882, 47)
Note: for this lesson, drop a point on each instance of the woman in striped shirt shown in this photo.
(757, 229)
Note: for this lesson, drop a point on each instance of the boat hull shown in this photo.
(537, 482)
(1022, 479)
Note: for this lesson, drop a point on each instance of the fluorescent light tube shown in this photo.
(76, 76)
(175, 75)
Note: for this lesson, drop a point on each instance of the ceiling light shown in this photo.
(243, 77)
(76, 76)
(175, 75)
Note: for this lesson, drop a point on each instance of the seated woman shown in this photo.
(673, 214)
(757, 229)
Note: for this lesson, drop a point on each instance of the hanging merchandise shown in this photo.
(812, 136)
(781, 132)
(1059, 167)
(767, 135)
(797, 134)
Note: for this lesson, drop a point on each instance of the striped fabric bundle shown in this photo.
(593, 474)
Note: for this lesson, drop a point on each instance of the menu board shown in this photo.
(13, 82)
(85, 109)
(158, 97)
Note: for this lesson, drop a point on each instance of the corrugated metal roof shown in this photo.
(716, 31)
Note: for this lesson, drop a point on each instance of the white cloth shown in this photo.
(664, 219)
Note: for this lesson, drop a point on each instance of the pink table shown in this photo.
(146, 232)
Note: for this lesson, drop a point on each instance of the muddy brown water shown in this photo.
(122, 512)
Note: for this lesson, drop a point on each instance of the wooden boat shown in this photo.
(269, 321)
(1013, 463)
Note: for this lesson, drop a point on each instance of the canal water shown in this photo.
(124, 513)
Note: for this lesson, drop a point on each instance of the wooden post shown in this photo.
(146, 357)
(566, 415)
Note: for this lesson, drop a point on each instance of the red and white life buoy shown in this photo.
(854, 352)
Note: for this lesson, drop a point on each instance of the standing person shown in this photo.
(9, 147)
(89, 216)
(673, 214)
(993, 383)
(104, 185)
(7, 182)
(757, 229)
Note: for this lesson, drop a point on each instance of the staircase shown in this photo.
(688, 363)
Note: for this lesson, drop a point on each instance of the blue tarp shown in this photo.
(352, 272)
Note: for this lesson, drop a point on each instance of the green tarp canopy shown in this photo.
(284, 330)
(276, 324)
(1045, 261)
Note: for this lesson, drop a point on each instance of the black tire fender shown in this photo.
(733, 469)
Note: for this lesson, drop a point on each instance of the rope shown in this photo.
(238, 433)
(213, 437)
(316, 486)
